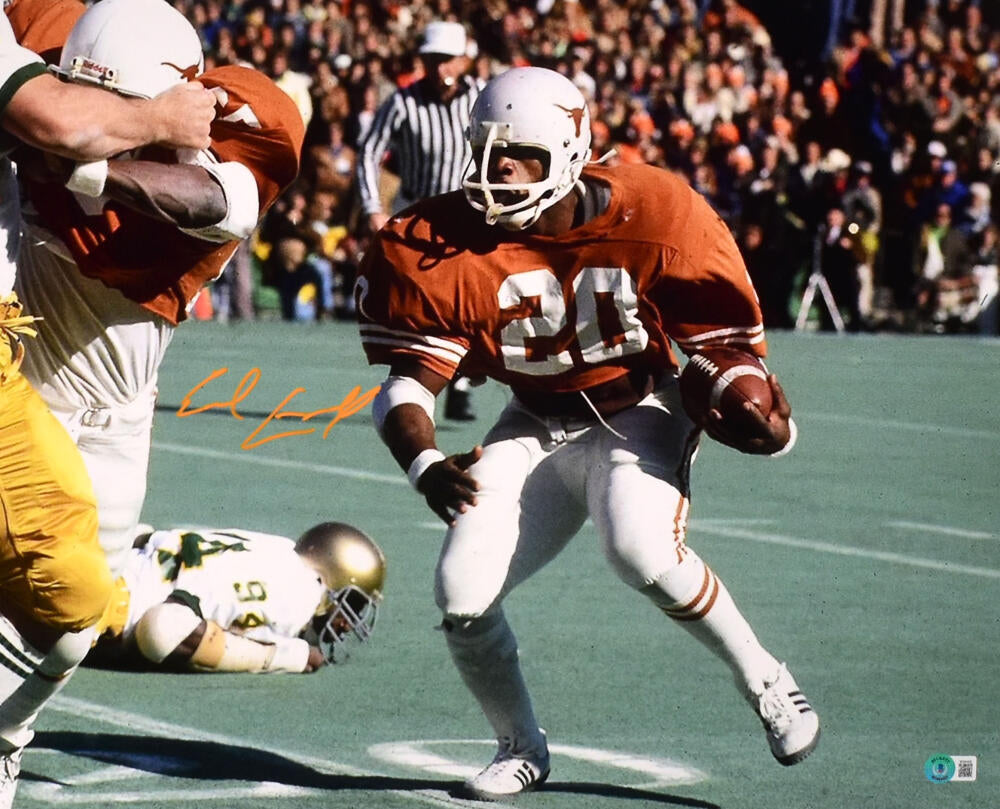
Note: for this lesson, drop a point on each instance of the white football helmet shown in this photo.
(352, 568)
(134, 47)
(527, 107)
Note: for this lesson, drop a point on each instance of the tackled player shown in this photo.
(572, 301)
(234, 600)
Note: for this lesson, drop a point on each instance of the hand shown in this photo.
(315, 661)
(770, 433)
(448, 487)
(376, 221)
(183, 115)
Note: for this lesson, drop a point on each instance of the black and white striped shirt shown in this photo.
(427, 137)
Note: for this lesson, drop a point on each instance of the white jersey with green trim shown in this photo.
(246, 582)
(13, 58)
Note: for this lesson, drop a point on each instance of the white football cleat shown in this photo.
(508, 775)
(10, 768)
(792, 725)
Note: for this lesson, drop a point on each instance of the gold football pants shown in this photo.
(52, 568)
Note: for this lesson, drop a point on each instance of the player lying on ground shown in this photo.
(233, 600)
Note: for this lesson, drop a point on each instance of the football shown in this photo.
(724, 378)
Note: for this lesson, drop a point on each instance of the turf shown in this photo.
(869, 559)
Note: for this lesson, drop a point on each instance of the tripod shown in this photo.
(818, 281)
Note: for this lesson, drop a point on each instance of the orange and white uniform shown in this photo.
(113, 284)
(559, 314)
(580, 327)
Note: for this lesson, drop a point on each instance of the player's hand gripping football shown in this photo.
(448, 486)
(765, 434)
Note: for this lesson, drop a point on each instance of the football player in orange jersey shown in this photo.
(572, 302)
(119, 250)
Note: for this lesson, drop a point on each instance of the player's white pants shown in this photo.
(95, 363)
(539, 482)
(114, 443)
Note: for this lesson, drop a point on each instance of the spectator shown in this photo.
(863, 208)
(424, 125)
(839, 265)
(944, 281)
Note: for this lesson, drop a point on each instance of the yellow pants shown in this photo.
(52, 568)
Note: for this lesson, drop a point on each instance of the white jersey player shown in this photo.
(235, 600)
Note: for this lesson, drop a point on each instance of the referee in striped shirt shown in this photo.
(424, 126)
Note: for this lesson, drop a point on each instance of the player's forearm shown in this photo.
(82, 123)
(223, 651)
(407, 431)
(184, 195)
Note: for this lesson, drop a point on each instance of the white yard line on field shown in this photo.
(946, 530)
(846, 550)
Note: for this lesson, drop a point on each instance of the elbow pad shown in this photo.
(242, 202)
(397, 390)
(163, 628)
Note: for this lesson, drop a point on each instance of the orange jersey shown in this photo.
(152, 262)
(43, 25)
(561, 313)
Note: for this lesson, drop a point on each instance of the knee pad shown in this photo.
(163, 628)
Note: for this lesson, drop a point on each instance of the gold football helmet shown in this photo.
(352, 568)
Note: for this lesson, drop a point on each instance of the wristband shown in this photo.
(89, 178)
(419, 465)
(793, 436)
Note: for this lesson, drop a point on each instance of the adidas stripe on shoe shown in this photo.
(791, 724)
(508, 775)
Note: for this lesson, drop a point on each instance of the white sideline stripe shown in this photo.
(947, 530)
(281, 463)
(846, 550)
(912, 426)
(138, 722)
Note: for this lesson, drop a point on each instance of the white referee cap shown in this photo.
(447, 38)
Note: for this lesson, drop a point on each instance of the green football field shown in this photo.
(869, 559)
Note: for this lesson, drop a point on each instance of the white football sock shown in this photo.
(485, 652)
(19, 661)
(698, 601)
(21, 706)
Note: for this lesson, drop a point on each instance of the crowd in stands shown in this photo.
(876, 166)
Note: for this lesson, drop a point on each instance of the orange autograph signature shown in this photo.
(353, 402)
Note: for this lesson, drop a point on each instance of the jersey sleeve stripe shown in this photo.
(751, 336)
(17, 79)
(413, 347)
(372, 329)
